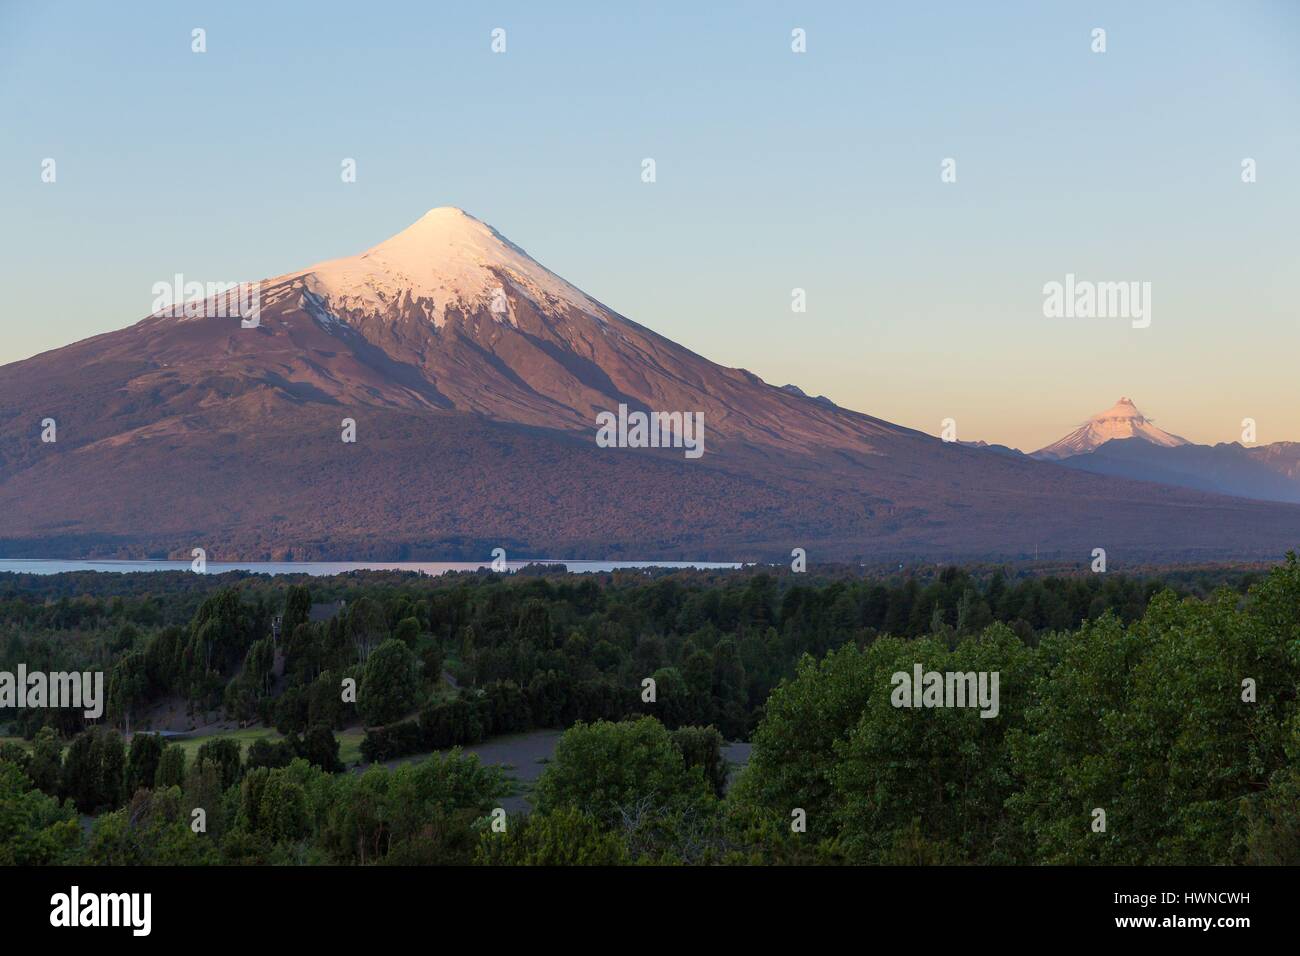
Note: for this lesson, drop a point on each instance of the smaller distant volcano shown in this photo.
(1121, 420)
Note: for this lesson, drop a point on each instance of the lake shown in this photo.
(324, 568)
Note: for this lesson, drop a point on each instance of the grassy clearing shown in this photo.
(349, 741)
(350, 744)
(245, 738)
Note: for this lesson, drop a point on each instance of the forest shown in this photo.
(1144, 719)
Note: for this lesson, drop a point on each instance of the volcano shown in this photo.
(472, 378)
(1122, 442)
(1121, 421)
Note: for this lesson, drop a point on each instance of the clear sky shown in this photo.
(775, 170)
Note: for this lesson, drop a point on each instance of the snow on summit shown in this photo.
(447, 258)
(1121, 420)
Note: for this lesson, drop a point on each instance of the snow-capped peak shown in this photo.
(1121, 420)
(445, 259)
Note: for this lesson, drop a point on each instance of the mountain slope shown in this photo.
(474, 377)
(1227, 469)
(1282, 457)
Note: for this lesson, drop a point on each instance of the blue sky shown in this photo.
(775, 170)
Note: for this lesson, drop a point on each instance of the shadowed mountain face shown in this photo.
(474, 377)
(1266, 473)
(1122, 442)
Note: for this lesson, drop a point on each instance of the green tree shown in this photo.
(142, 762)
(259, 666)
(35, 830)
(916, 783)
(297, 608)
(1149, 723)
(563, 837)
(702, 747)
(389, 686)
(793, 760)
(407, 631)
(320, 748)
(266, 753)
(47, 761)
(282, 812)
(204, 791)
(163, 659)
(94, 770)
(325, 701)
(171, 768)
(128, 687)
(605, 768)
(224, 754)
(367, 626)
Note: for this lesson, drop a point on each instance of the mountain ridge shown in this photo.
(1121, 442)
